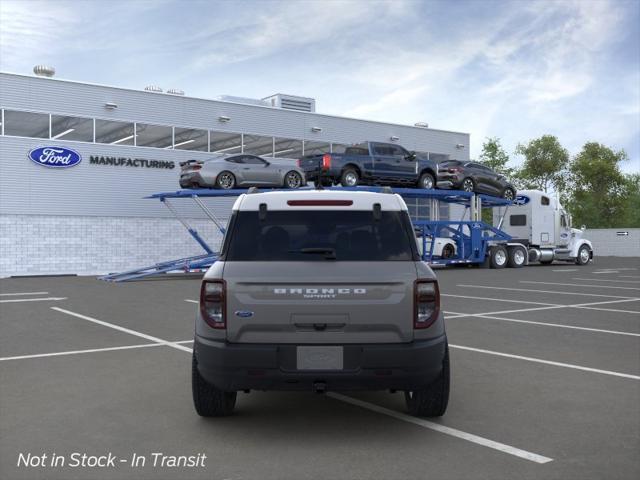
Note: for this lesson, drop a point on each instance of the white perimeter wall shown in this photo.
(608, 242)
(48, 245)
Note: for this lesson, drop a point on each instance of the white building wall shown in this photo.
(613, 241)
(44, 244)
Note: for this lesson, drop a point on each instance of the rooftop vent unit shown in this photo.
(291, 102)
(44, 71)
(153, 88)
(175, 91)
(246, 101)
(421, 125)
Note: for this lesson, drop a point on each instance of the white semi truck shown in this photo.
(538, 223)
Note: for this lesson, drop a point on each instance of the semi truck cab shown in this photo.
(540, 223)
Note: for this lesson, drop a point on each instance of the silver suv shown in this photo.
(320, 290)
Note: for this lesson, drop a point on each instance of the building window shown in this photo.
(191, 139)
(115, 133)
(316, 148)
(26, 124)
(71, 128)
(157, 136)
(225, 143)
(287, 148)
(258, 145)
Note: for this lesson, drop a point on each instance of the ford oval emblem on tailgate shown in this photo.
(244, 313)
(55, 157)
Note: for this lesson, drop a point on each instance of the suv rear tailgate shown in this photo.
(319, 302)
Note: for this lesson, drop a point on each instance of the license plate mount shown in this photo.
(320, 358)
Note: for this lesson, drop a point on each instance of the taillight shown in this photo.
(213, 303)
(455, 170)
(326, 161)
(196, 167)
(299, 162)
(426, 303)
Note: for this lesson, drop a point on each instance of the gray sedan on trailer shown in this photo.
(231, 171)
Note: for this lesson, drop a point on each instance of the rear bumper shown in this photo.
(405, 366)
(188, 180)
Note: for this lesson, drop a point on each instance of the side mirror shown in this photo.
(266, 164)
(583, 227)
(412, 156)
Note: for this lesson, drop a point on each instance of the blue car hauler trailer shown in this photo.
(473, 241)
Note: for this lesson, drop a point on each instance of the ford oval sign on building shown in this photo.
(55, 157)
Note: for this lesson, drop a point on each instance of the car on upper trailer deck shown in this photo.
(474, 177)
(244, 170)
(372, 163)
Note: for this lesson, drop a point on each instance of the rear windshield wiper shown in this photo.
(329, 253)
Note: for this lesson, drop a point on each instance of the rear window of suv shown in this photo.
(306, 235)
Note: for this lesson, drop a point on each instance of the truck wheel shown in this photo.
(426, 181)
(349, 178)
(208, 400)
(584, 255)
(517, 257)
(499, 257)
(431, 401)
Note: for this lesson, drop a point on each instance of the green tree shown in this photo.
(495, 157)
(630, 216)
(599, 193)
(545, 164)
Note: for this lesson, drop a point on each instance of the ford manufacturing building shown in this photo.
(91, 217)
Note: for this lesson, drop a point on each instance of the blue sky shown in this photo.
(511, 69)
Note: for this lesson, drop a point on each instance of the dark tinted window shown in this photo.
(239, 159)
(518, 220)
(356, 151)
(253, 160)
(351, 235)
(544, 201)
(450, 163)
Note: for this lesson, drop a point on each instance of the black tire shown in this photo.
(498, 257)
(349, 177)
(326, 182)
(509, 194)
(584, 255)
(468, 185)
(431, 401)
(208, 400)
(517, 257)
(225, 180)
(293, 180)
(427, 181)
(448, 251)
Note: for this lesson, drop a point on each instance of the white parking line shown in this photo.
(605, 280)
(605, 272)
(123, 329)
(547, 362)
(494, 299)
(544, 291)
(23, 293)
(191, 301)
(566, 270)
(629, 276)
(469, 437)
(545, 324)
(90, 350)
(580, 285)
(47, 299)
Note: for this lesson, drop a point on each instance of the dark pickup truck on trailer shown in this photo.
(371, 163)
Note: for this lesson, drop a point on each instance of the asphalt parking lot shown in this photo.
(545, 384)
